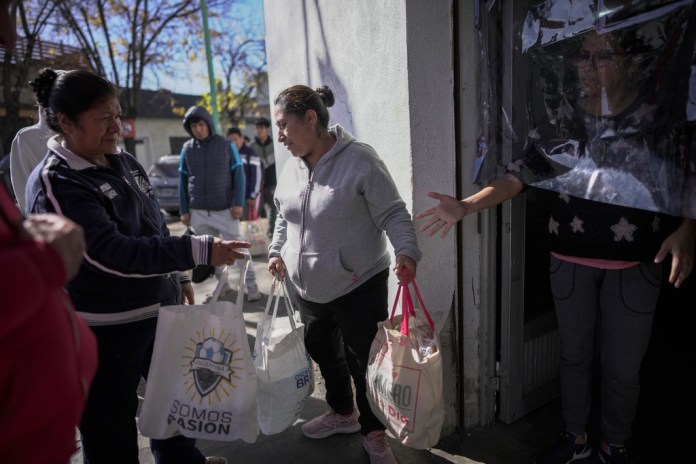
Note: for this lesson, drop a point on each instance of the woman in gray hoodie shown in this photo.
(335, 201)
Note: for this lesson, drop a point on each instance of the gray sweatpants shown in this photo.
(617, 306)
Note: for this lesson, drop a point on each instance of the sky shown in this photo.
(192, 78)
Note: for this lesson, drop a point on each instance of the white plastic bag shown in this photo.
(202, 382)
(283, 368)
(255, 231)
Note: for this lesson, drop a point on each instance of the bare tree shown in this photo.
(243, 72)
(125, 38)
(31, 18)
(241, 55)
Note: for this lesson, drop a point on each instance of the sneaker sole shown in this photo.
(328, 433)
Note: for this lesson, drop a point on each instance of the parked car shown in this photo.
(164, 177)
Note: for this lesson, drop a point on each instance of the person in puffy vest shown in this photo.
(212, 186)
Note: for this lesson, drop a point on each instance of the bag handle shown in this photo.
(407, 306)
(420, 300)
(223, 280)
(267, 323)
(288, 303)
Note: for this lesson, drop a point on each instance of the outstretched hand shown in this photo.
(227, 251)
(443, 216)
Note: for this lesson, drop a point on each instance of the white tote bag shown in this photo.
(404, 374)
(283, 368)
(202, 382)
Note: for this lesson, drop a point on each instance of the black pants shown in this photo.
(108, 429)
(338, 337)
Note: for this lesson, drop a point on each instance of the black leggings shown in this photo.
(338, 337)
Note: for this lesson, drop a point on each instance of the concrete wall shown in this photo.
(390, 65)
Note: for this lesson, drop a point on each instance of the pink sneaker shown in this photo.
(375, 443)
(331, 423)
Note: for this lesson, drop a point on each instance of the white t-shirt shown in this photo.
(28, 149)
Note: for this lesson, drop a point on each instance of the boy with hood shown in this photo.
(212, 186)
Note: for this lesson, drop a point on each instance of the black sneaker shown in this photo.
(614, 454)
(564, 451)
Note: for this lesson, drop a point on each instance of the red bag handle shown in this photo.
(407, 306)
(396, 301)
(420, 300)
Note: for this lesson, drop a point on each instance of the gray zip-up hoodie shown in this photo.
(331, 223)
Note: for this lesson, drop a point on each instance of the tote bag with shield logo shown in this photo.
(202, 382)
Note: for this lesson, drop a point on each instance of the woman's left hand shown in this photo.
(680, 244)
(403, 261)
(187, 294)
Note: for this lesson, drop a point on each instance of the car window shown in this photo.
(166, 166)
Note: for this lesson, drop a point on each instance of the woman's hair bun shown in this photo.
(326, 95)
(43, 84)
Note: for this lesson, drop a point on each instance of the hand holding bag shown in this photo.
(404, 374)
(202, 382)
(283, 367)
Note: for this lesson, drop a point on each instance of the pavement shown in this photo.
(499, 443)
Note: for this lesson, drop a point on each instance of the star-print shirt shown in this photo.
(591, 229)
(580, 163)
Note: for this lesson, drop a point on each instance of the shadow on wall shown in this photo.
(329, 77)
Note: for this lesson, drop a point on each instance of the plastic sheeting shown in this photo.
(612, 102)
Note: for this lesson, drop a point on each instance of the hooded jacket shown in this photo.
(211, 176)
(331, 223)
(131, 263)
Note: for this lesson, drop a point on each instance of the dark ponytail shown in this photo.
(69, 92)
(298, 99)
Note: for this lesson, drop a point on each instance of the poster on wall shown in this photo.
(128, 128)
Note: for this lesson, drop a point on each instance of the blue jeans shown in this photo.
(617, 307)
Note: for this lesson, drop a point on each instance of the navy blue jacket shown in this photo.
(131, 263)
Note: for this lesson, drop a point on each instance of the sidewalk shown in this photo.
(290, 446)
(492, 446)
(496, 444)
